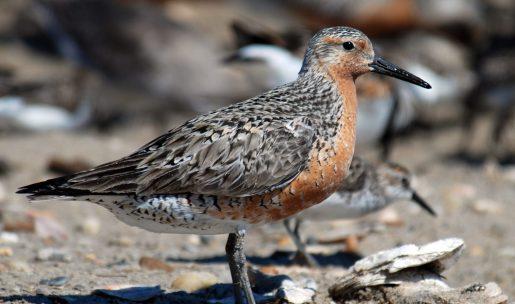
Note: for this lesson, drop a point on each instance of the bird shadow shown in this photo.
(219, 293)
(216, 292)
(281, 258)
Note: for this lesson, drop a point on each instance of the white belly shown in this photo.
(167, 214)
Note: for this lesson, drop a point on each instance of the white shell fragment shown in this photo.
(411, 274)
(440, 255)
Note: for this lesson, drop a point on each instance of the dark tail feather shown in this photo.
(55, 187)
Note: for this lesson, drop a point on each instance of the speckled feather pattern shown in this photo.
(257, 161)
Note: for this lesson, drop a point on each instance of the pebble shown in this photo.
(6, 251)
(154, 264)
(477, 251)
(8, 237)
(90, 226)
(297, 293)
(47, 227)
(390, 217)
(14, 221)
(487, 206)
(62, 166)
(53, 254)
(91, 257)
(193, 281)
(57, 281)
(20, 266)
(194, 239)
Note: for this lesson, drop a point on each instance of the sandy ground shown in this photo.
(472, 204)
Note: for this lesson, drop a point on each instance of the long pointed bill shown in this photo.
(420, 201)
(382, 66)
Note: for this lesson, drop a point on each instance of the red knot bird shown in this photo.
(368, 187)
(257, 161)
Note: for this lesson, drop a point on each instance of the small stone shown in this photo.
(17, 221)
(487, 206)
(6, 251)
(477, 251)
(57, 281)
(295, 294)
(90, 226)
(269, 270)
(53, 254)
(284, 242)
(91, 257)
(154, 264)
(3, 267)
(8, 237)
(47, 227)
(193, 281)
(64, 167)
(20, 266)
(121, 242)
(390, 217)
(194, 239)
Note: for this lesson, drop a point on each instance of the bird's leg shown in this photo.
(502, 116)
(240, 279)
(388, 136)
(301, 246)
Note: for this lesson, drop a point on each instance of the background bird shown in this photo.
(369, 187)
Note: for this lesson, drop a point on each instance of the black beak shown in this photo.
(382, 66)
(420, 201)
(236, 57)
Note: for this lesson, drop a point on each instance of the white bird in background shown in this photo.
(42, 117)
(374, 110)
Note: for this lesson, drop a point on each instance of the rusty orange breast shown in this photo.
(328, 166)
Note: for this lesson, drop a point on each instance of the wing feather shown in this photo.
(236, 161)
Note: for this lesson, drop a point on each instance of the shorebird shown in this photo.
(368, 187)
(257, 161)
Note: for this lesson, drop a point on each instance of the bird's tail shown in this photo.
(54, 189)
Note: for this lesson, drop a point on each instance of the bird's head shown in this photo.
(396, 183)
(347, 52)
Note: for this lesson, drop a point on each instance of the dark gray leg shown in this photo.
(240, 279)
(301, 247)
(502, 117)
(387, 139)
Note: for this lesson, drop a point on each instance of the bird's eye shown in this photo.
(405, 182)
(347, 45)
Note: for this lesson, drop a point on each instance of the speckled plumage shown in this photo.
(258, 161)
(248, 163)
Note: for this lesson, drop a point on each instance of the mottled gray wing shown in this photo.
(356, 178)
(229, 161)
